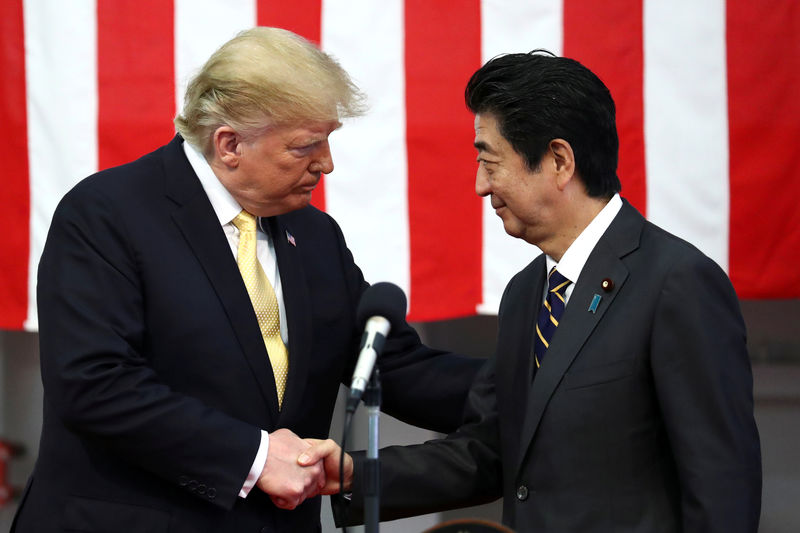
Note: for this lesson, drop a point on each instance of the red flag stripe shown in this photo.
(303, 17)
(135, 78)
(15, 200)
(607, 38)
(763, 76)
(442, 51)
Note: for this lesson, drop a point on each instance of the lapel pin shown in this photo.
(607, 284)
(290, 238)
(595, 303)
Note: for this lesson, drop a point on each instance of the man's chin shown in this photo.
(512, 228)
(300, 201)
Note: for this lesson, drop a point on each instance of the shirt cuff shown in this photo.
(258, 465)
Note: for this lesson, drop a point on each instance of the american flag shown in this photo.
(706, 92)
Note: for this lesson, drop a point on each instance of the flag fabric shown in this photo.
(707, 111)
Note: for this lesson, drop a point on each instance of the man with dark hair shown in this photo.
(620, 394)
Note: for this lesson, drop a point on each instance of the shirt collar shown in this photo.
(225, 206)
(574, 259)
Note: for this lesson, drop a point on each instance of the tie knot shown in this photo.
(556, 282)
(245, 221)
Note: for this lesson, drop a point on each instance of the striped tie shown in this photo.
(265, 303)
(550, 314)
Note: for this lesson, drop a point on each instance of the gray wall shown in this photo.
(20, 406)
(774, 341)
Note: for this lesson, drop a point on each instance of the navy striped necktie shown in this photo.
(550, 314)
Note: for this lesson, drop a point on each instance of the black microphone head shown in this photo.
(382, 299)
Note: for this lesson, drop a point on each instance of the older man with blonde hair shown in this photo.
(197, 315)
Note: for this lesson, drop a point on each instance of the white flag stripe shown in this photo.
(61, 74)
(367, 192)
(521, 26)
(685, 119)
(202, 26)
(686, 122)
(511, 27)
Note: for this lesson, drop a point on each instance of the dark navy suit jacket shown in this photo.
(639, 420)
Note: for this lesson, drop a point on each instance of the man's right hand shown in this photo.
(328, 453)
(287, 483)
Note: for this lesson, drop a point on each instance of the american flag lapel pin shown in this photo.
(290, 238)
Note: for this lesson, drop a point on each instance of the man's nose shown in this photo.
(323, 160)
(482, 184)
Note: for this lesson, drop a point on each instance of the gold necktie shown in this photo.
(262, 295)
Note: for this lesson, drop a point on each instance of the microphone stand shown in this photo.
(372, 471)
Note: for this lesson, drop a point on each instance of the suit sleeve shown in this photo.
(421, 386)
(704, 386)
(95, 371)
(461, 470)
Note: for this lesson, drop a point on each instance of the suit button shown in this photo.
(522, 493)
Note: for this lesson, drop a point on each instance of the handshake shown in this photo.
(297, 469)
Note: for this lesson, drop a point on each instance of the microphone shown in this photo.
(382, 306)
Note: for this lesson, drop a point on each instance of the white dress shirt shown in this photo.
(574, 259)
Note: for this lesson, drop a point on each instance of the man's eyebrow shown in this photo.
(481, 146)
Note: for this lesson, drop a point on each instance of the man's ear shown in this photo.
(564, 161)
(227, 146)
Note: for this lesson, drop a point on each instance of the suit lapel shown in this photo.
(296, 300)
(578, 322)
(196, 220)
(515, 340)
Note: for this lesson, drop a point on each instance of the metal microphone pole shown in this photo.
(372, 470)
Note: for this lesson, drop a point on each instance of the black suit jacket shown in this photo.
(156, 377)
(640, 418)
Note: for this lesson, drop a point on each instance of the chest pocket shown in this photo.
(597, 375)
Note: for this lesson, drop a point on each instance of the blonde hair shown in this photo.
(261, 77)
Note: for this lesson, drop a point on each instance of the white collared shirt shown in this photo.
(574, 259)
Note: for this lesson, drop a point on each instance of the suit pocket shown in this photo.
(597, 375)
(98, 516)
